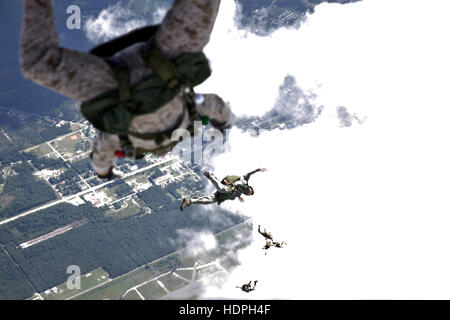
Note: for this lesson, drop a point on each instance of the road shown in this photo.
(53, 203)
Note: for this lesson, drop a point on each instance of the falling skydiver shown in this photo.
(265, 233)
(230, 188)
(247, 287)
(275, 244)
(136, 89)
(269, 240)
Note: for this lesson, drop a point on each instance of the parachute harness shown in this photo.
(168, 72)
(112, 111)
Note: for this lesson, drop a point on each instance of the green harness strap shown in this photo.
(163, 67)
(112, 111)
(168, 72)
(122, 75)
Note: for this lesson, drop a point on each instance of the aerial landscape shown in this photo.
(129, 131)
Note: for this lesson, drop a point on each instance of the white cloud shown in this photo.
(363, 208)
(159, 15)
(196, 242)
(116, 20)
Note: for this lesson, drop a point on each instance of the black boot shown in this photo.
(186, 203)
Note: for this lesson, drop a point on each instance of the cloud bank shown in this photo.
(119, 19)
(363, 207)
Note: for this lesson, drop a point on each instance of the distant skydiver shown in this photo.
(277, 244)
(230, 188)
(270, 243)
(136, 89)
(269, 240)
(247, 287)
(267, 245)
(265, 233)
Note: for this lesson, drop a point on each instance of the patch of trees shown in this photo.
(70, 189)
(119, 245)
(13, 284)
(95, 182)
(122, 190)
(9, 154)
(157, 199)
(27, 269)
(155, 173)
(89, 246)
(172, 189)
(67, 175)
(44, 162)
(53, 132)
(45, 221)
(82, 166)
(27, 191)
(68, 110)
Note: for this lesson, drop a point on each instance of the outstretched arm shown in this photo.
(78, 75)
(247, 176)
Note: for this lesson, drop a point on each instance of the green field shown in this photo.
(132, 295)
(68, 144)
(128, 208)
(116, 288)
(41, 150)
(110, 291)
(145, 275)
(152, 291)
(88, 281)
(172, 282)
(187, 274)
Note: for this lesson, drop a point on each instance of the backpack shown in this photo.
(231, 179)
(112, 111)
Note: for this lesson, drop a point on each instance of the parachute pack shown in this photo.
(112, 111)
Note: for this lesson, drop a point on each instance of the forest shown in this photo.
(116, 245)
(23, 191)
(13, 283)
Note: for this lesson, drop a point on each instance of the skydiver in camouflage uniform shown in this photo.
(83, 76)
(226, 189)
(270, 243)
(247, 287)
(265, 233)
(267, 245)
(269, 240)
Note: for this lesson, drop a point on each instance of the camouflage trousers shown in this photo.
(212, 198)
